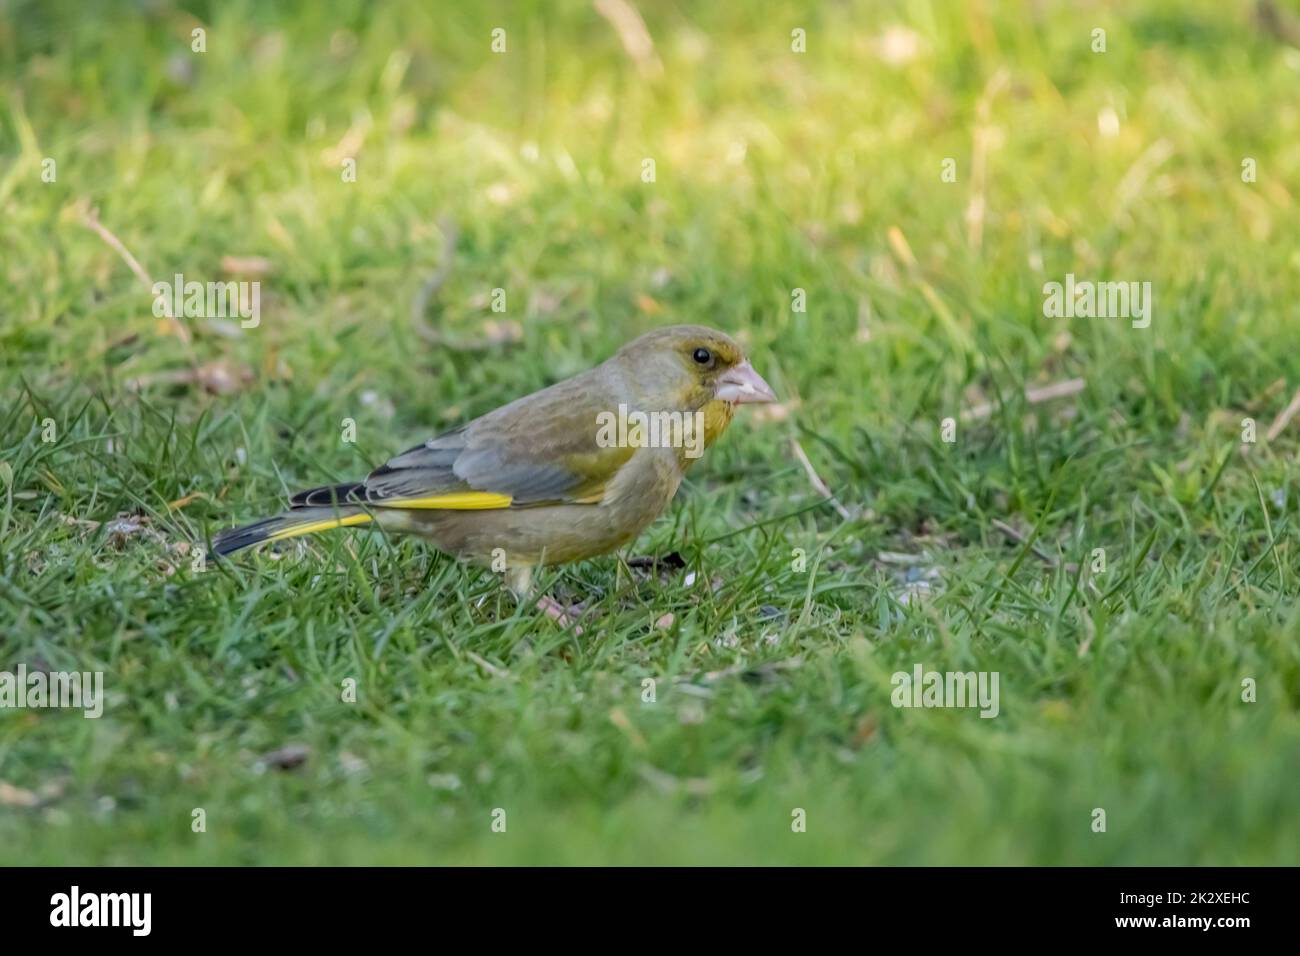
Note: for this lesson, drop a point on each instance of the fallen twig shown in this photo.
(90, 219)
(982, 138)
(1034, 396)
(816, 481)
(1284, 418)
(435, 281)
(1021, 538)
(632, 33)
(487, 665)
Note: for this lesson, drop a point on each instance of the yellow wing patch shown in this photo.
(457, 501)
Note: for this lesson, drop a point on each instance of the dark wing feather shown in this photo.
(347, 493)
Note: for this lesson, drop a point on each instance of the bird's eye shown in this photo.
(703, 356)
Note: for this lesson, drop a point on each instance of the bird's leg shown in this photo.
(520, 582)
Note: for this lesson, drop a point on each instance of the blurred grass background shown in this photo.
(774, 171)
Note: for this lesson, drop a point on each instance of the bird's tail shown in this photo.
(291, 524)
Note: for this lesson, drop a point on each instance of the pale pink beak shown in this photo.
(743, 386)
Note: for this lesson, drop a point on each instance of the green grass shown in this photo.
(774, 171)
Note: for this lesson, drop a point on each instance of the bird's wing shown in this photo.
(540, 449)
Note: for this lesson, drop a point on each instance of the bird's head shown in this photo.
(687, 367)
(695, 372)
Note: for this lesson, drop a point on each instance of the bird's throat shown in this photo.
(717, 416)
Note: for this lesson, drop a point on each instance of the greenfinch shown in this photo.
(573, 471)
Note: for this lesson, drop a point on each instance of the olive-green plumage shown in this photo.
(533, 482)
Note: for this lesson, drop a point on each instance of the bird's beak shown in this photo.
(743, 386)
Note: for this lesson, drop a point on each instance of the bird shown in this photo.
(567, 473)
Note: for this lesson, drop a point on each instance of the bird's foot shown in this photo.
(561, 615)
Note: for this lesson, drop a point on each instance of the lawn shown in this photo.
(442, 218)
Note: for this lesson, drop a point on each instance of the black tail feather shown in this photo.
(236, 539)
(291, 524)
